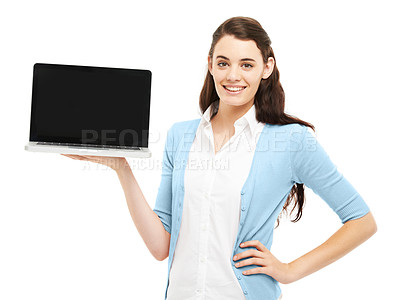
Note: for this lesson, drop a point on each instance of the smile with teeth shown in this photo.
(234, 88)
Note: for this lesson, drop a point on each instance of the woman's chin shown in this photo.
(230, 101)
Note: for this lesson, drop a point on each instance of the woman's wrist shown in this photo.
(121, 165)
(294, 273)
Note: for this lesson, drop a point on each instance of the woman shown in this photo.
(237, 168)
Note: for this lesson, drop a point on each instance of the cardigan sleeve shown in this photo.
(163, 204)
(312, 166)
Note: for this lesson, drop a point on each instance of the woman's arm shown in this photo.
(146, 220)
(349, 236)
(312, 166)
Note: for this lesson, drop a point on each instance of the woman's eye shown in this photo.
(247, 66)
(222, 64)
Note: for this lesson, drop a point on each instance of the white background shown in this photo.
(65, 230)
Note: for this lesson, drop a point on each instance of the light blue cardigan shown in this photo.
(285, 154)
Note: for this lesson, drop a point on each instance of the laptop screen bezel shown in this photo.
(146, 74)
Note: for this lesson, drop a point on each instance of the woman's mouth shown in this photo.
(234, 90)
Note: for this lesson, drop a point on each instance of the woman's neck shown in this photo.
(228, 114)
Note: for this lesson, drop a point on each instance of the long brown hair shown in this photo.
(269, 100)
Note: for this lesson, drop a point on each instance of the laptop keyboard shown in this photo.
(71, 145)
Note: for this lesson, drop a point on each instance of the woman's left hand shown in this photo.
(270, 265)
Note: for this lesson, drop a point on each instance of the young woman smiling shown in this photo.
(216, 224)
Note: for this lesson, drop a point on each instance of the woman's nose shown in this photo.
(233, 74)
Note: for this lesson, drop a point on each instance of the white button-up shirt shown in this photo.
(201, 266)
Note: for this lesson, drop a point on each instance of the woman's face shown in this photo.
(237, 67)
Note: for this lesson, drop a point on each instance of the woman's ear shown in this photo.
(210, 65)
(268, 68)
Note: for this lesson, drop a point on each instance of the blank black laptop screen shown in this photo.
(90, 105)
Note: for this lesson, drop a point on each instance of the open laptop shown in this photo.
(90, 110)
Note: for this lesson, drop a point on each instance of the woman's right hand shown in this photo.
(112, 162)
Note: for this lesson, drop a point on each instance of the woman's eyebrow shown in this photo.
(243, 59)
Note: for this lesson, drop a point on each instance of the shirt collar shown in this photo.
(249, 117)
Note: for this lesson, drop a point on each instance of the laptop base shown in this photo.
(81, 150)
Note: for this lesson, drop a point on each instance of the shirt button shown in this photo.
(245, 292)
(180, 204)
(242, 192)
(239, 277)
(243, 207)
